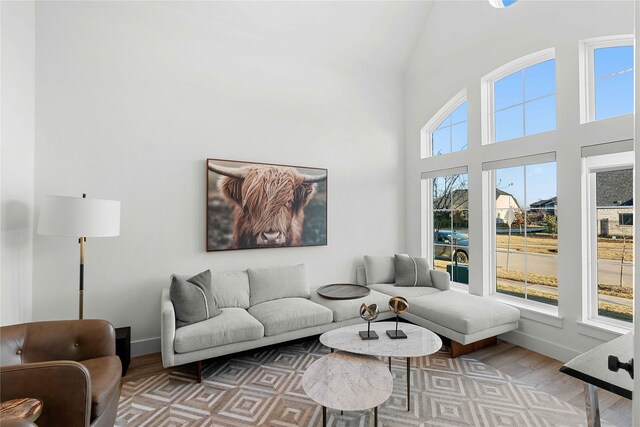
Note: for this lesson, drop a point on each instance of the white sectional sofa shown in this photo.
(262, 307)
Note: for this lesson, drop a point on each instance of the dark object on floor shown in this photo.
(70, 365)
(123, 347)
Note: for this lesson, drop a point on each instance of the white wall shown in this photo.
(17, 150)
(461, 43)
(133, 97)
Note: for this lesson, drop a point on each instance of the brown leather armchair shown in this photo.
(70, 365)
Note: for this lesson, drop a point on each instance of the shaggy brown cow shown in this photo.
(268, 203)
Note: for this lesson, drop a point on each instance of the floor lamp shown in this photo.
(79, 217)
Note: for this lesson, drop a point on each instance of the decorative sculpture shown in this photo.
(369, 313)
(397, 305)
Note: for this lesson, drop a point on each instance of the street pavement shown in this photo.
(608, 271)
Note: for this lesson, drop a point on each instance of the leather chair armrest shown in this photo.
(63, 386)
(167, 329)
(57, 340)
(440, 280)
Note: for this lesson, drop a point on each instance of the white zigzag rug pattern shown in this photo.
(264, 388)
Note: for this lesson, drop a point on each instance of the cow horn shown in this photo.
(308, 179)
(222, 170)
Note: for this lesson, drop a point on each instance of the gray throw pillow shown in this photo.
(192, 299)
(412, 271)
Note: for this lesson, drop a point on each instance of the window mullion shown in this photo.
(526, 251)
(451, 135)
(524, 119)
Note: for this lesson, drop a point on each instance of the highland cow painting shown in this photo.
(258, 205)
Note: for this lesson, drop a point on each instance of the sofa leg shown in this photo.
(199, 370)
(458, 349)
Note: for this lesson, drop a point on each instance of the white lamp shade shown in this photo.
(79, 217)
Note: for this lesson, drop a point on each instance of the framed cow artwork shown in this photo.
(258, 205)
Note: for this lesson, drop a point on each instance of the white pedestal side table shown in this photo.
(419, 342)
(348, 382)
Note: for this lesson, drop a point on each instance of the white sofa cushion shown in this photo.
(345, 309)
(392, 290)
(268, 284)
(463, 313)
(230, 289)
(290, 314)
(233, 325)
(379, 269)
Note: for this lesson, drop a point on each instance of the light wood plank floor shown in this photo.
(518, 362)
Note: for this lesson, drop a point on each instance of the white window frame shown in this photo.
(427, 214)
(487, 84)
(489, 169)
(587, 69)
(591, 165)
(426, 133)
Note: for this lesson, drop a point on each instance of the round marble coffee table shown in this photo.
(348, 382)
(419, 342)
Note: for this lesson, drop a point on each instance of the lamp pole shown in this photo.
(82, 240)
(79, 217)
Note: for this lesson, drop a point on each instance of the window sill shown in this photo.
(548, 316)
(600, 330)
(459, 287)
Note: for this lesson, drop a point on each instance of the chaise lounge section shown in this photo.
(469, 321)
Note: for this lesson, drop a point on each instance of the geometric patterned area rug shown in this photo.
(264, 388)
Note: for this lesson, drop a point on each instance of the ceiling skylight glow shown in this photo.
(501, 3)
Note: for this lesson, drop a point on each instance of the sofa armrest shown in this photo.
(167, 329)
(63, 386)
(440, 280)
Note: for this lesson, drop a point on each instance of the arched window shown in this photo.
(446, 132)
(519, 98)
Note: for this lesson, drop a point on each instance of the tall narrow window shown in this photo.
(524, 102)
(526, 232)
(610, 194)
(613, 80)
(607, 64)
(450, 226)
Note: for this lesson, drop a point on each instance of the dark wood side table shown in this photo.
(123, 347)
(27, 409)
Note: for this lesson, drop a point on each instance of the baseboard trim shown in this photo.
(150, 345)
(541, 346)
(558, 352)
